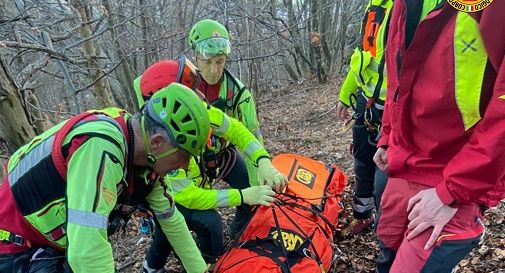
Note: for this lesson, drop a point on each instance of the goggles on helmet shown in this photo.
(212, 47)
(188, 73)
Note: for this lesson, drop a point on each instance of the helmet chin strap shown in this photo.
(151, 158)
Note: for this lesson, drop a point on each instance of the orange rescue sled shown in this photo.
(295, 235)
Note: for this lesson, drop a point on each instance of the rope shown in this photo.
(227, 159)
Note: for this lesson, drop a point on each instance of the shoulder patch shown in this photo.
(108, 195)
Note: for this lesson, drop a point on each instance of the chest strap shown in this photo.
(12, 238)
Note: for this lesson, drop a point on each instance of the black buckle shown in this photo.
(16, 239)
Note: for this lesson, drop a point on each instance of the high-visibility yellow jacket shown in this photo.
(367, 67)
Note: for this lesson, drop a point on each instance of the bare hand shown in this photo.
(426, 210)
(342, 112)
(381, 159)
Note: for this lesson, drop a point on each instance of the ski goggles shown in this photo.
(212, 47)
(187, 73)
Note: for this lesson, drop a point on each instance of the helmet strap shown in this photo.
(167, 153)
(151, 159)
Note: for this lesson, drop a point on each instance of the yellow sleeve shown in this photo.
(348, 87)
(175, 229)
(236, 133)
(188, 194)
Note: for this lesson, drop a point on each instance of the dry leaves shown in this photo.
(297, 119)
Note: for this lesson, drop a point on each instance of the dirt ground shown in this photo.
(301, 119)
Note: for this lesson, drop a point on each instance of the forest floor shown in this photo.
(301, 119)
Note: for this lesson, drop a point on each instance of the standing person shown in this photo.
(62, 187)
(442, 134)
(210, 42)
(364, 90)
(196, 198)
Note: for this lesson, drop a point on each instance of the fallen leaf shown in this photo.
(483, 249)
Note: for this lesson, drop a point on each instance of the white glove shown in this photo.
(270, 176)
(258, 195)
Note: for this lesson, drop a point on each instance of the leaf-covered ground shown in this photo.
(301, 119)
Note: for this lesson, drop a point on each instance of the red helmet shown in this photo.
(163, 73)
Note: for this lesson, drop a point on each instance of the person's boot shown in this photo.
(358, 226)
(147, 269)
(242, 215)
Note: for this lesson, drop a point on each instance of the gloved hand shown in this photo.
(270, 176)
(258, 195)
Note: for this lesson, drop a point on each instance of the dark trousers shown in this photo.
(35, 260)
(366, 197)
(207, 224)
(380, 181)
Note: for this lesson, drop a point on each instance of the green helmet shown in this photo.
(209, 38)
(183, 115)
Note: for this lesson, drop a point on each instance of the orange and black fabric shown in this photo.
(374, 17)
(295, 235)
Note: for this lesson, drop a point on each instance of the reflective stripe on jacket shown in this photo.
(85, 199)
(444, 119)
(186, 186)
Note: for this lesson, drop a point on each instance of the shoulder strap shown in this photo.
(56, 151)
(241, 88)
(378, 86)
(230, 85)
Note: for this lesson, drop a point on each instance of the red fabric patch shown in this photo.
(211, 92)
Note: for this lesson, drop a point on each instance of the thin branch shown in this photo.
(49, 111)
(323, 114)
(102, 76)
(17, 18)
(96, 34)
(52, 53)
(278, 52)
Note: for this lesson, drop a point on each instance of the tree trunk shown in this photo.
(15, 128)
(126, 74)
(334, 36)
(291, 72)
(315, 41)
(38, 119)
(295, 34)
(325, 31)
(145, 36)
(102, 88)
(183, 7)
(344, 22)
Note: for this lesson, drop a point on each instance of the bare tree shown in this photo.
(102, 91)
(69, 56)
(15, 127)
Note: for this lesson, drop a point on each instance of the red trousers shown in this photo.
(457, 239)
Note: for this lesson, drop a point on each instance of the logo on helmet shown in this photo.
(163, 114)
(216, 34)
(181, 139)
